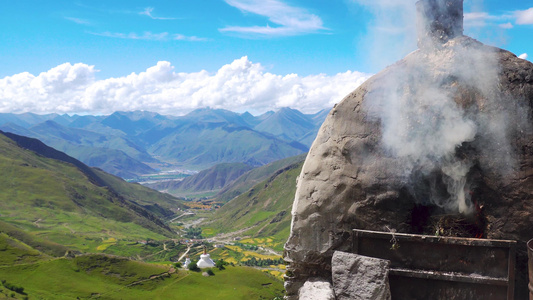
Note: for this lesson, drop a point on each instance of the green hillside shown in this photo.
(264, 211)
(161, 204)
(113, 153)
(253, 177)
(56, 201)
(52, 211)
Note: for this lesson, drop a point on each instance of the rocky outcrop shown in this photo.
(445, 131)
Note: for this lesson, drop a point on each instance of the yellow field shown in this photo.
(276, 273)
(234, 248)
(265, 242)
(106, 244)
(208, 231)
(249, 254)
(231, 260)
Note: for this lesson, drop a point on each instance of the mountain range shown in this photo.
(128, 144)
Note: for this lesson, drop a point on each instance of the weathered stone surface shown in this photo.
(357, 277)
(316, 290)
(368, 170)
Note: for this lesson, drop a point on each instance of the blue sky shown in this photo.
(294, 45)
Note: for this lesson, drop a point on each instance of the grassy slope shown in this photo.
(13, 251)
(253, 177)
(108, 278)
(55, 200)
(115, 154)
(265, 208)
(111, 160)
(160, 204)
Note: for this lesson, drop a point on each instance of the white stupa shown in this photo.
(187, 262)
(205, 260)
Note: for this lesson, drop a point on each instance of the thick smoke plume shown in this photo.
(437, 112)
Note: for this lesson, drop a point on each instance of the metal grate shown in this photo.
(442, 268)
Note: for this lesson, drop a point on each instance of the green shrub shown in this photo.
(13, 287)
(193, 267)
(220, 264)
(210, 272)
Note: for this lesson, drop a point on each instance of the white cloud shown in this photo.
(238, 86)
(289, 20)
(476, 19)
(521, 17)
(78, 21)
(59, 89)
(524, 17)
(507, 25)
(482, 19)
(476, 16)
(147, 35)
(523, 56)
(386, 4)
(181, 37)
(148, 12)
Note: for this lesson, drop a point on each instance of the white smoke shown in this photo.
(456, 181)
(389, 32)
(433, 108)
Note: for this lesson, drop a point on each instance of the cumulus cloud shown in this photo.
(289, 20)
(238, 86)
(524, 17)
(523, 56)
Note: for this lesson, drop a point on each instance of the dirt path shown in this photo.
(186, 252)
(271, 251)
(153, 254)
(153, 277)
(184, 214)
(227, 237)
(193, 223)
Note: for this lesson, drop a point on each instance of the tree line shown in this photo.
(254, 262)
